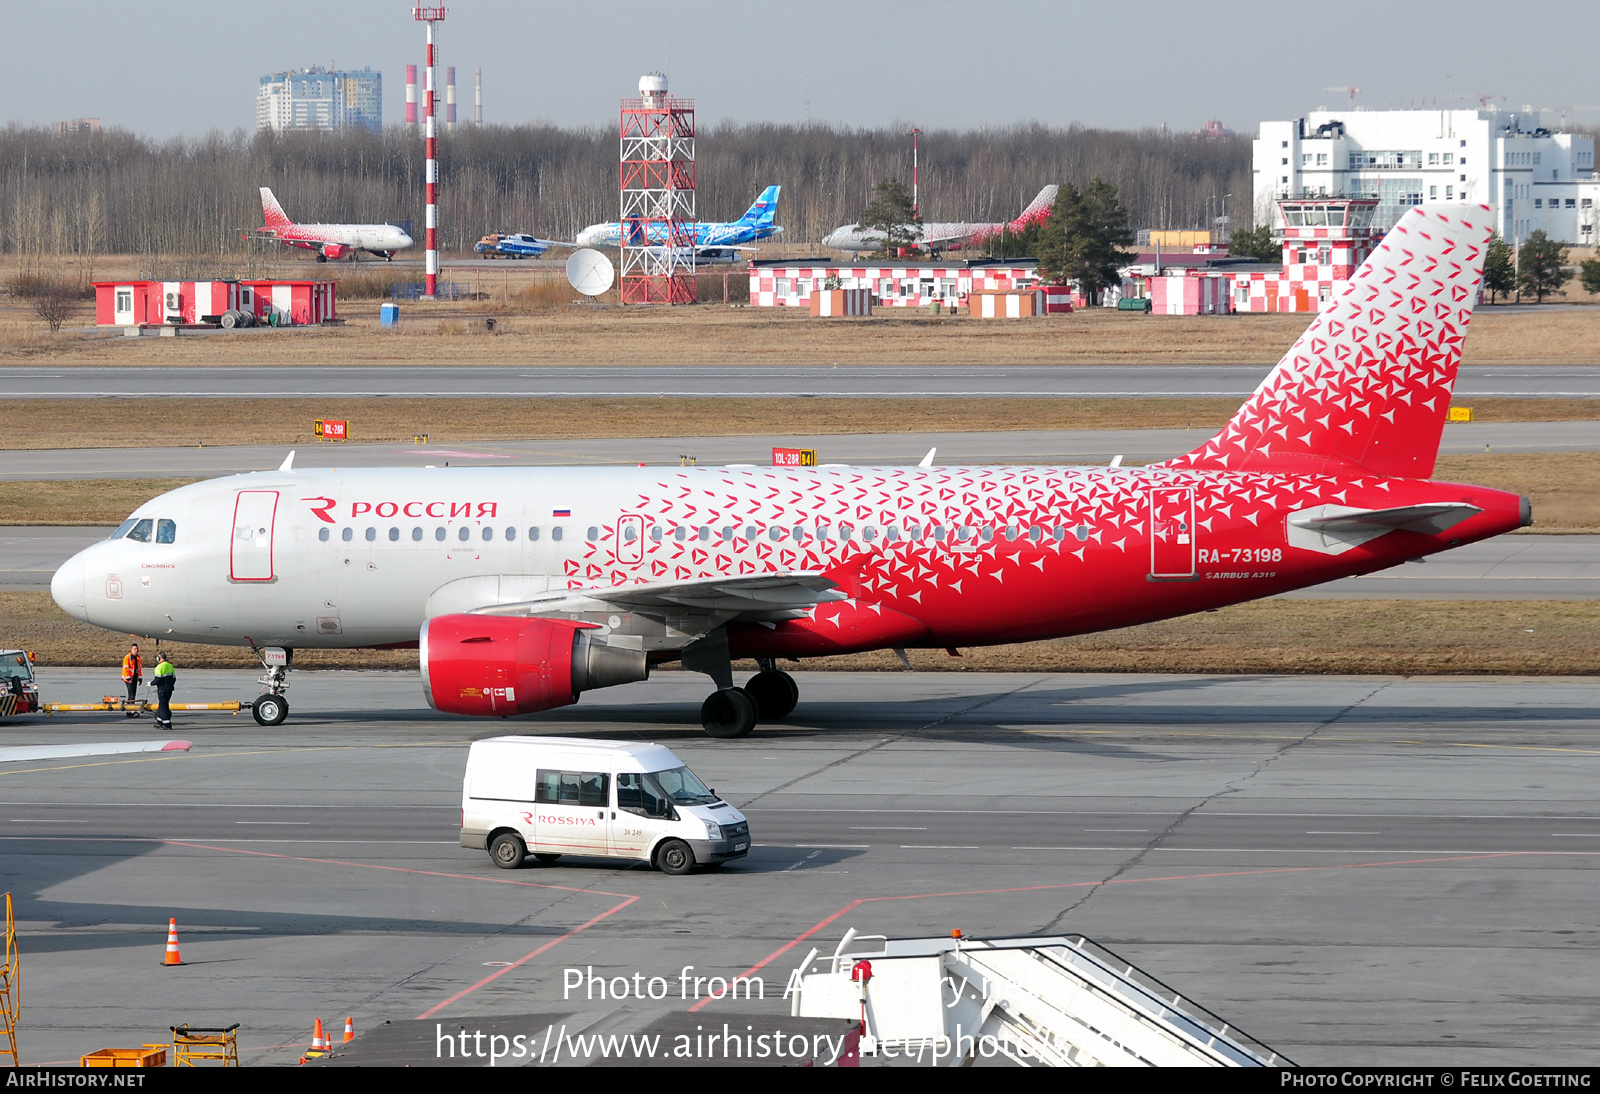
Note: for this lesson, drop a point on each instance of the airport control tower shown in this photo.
(657, 239)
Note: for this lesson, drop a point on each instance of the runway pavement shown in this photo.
(503, 381)
(1354, 870)
(1019, 446)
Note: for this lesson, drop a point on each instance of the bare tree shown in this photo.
(198, 196)
(54, 304)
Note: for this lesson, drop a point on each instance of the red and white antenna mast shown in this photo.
(915, 133)
(659, 234)
(430, 147)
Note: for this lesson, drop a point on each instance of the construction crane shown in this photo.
(1564, 110)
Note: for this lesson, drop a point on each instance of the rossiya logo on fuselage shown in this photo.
(325, 509)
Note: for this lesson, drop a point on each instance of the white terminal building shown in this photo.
(1533, 178)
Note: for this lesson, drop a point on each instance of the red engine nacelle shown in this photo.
(334, 251)
(502, 665)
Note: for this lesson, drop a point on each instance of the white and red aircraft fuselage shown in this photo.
(524, 587)
(330, 241)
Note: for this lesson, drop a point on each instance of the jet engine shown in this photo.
(334, 251)
(503, 665)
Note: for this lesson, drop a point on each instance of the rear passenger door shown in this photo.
(570, 811)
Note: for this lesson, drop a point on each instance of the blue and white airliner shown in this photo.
(715, 241)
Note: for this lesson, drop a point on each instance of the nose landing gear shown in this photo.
(271, 708)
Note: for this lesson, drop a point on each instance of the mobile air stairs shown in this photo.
(1045, 1001)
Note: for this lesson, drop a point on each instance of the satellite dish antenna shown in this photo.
(590, 272)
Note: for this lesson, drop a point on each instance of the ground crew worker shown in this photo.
(133, 676)
(165, 679)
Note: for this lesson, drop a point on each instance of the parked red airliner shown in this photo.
(525, 587)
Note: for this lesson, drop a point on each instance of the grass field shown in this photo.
(133, 423)
(443, 334)
(1565, 489)
(1270, 636)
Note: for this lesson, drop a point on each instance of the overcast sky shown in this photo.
(187, 66)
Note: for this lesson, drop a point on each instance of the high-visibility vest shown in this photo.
(165, 669)
(132, 667)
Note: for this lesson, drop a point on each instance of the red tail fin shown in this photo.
(272, 212)
(1369, 381)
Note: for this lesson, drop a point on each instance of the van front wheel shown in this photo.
(508, 851)
(675, 857)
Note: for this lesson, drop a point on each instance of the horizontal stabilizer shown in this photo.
(1335, 529)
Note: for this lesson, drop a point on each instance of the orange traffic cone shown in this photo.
(173, 956)
(349, 1030)
(319, 1043)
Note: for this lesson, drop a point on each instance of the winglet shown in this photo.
(288, 462)
(927, 461)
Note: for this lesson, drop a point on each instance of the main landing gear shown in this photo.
(731, 712)
(270, 707)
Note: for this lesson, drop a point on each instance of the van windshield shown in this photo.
(682, 787)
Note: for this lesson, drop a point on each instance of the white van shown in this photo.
(554, 796)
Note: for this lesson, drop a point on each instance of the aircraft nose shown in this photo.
(67, 587)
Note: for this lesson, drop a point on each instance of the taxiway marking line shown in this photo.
(464, 992)
(615, 908)
(859, 901)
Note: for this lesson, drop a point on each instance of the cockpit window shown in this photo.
(124, 528)
(141, 531)
(166, 531)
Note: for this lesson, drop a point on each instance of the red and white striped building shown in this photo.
(790, 283)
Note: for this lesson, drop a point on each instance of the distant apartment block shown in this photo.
(1531, 177)
(317, 98)
(78, 125)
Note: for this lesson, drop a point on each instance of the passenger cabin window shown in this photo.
(141, 530)
(166, 531)
(573, 788)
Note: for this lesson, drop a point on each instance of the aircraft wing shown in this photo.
(757, 593)
(1335, 529)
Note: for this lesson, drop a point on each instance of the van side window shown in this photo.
(573, 788)
(639, 794)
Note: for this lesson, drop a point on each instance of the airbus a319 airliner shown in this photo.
(524, 587)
